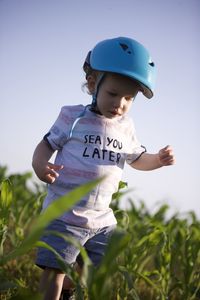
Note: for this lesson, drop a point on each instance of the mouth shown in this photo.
(115, 113)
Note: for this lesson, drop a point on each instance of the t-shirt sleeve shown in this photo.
(58, 133)
(136, 149)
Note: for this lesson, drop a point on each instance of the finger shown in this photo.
(167, 148)
(167, 152)
(170, 160)
(50, 179)
(167, 155)
(52, 173)
(55, 167)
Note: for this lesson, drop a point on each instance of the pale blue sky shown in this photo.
(42, 48)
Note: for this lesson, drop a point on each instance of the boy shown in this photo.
(91, 142)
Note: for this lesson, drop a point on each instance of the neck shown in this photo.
(95, 109)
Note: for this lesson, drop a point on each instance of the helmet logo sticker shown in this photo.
(125, 48)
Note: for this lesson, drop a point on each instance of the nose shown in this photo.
(119, 103)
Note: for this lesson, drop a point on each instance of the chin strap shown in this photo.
(93, 105)
(100, 79)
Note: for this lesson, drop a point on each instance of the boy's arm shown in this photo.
(45, 170)
(148, 162)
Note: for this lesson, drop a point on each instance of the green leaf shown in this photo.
(56, 209)
(100, 285)
(65, 267)
(6, 194)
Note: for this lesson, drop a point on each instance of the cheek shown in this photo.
(102, 100)
(127, 107)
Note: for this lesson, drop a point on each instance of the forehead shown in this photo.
(121, 83)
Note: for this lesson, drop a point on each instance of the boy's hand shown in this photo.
(166, 156)
(45, 170)
(49, 173)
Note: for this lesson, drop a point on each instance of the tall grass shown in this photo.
(149, 256)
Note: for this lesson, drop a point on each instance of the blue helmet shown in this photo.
(124, 56)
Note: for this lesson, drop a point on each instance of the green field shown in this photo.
(149, 256)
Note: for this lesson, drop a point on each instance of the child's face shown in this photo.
(115, 96)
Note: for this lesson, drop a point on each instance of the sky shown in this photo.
(43, 44)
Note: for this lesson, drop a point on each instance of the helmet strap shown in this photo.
(100, 79)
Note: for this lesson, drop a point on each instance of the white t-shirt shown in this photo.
(98, 146)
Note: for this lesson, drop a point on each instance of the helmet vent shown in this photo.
(125, 48)
(152, 64)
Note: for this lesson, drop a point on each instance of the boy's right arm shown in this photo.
(45, 170)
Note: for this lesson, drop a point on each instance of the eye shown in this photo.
(112, 94)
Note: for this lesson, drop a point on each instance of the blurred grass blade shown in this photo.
(5, 203)
(100, 283)
(64, 267)
(6, 194)
(6, 197)
(56, 209)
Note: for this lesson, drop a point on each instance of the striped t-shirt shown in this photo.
(90, 146)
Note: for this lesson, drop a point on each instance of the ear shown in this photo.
(91, 83)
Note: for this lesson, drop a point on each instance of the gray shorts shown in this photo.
(93, 240)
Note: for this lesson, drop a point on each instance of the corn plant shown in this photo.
(149, 256)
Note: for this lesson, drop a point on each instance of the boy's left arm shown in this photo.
(148, 162)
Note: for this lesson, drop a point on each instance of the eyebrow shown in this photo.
(114, 91)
